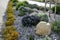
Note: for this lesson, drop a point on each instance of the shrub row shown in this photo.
(26, 4)
(32, 6)
(9, 33)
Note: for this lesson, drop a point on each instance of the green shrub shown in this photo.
(57, 9)
(43, 8)
(24, 10)
(43, 17)
(56, 26)
(32, 6)
(26, 4)
(21, 4)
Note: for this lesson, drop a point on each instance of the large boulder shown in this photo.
(43, 28)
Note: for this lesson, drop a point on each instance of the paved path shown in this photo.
(39, 3)
(3, 6)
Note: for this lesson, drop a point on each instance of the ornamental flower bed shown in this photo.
(20, 24)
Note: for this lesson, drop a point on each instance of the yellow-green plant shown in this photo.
(9, 23)
(9, 32)
(10, 16)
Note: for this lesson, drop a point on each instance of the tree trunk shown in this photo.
(55, 8)
(50, 8)
(45, 6)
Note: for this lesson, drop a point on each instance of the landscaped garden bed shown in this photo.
(25, 23)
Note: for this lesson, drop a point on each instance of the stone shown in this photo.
(43, 28)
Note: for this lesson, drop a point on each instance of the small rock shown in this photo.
(43, 28)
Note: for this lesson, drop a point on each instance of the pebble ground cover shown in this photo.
(22, 20)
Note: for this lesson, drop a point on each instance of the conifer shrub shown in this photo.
(30, 20)
(8, 23)
(9, 33)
